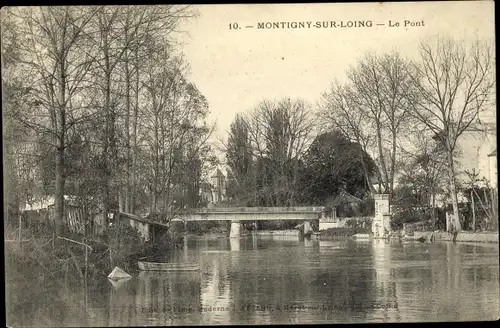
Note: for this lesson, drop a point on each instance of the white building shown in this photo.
(478, 151)
(493, 175)
(44, 202)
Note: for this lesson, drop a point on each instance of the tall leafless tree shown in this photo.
(455, 83)
(339, 113)
(56, 68)
(372, 109)
(276, 135)
(379, 90)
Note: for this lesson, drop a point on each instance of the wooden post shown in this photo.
(85, 286)
(86, 260)
(20, 227)
(85, 234)
(473, 213)
(494, 206)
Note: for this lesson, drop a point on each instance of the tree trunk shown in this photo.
(494, 206)
(60, 178)
(134, 137)
(453, 192)
(473, 212)
(153, 200)
(433, 213)
(108, 129)
(393, 165)
(371, 189)
(121, 202)
(106, 159)
(127, 129)
(381, 158)
(59, 192)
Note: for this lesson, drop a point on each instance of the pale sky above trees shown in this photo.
(235, 70)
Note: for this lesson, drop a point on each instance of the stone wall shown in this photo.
(331, 225)
(293, 232)
(334, 223)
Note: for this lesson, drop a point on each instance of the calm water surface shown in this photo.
(284, 280)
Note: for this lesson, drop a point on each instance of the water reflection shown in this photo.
(235, 244)
(286, 280)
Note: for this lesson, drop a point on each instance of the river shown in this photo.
(284, 280)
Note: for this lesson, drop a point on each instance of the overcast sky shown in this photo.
(236, 69)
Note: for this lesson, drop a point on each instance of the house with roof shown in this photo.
(345, 204)
(342, 208)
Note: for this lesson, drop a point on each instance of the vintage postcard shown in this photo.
(250, 164)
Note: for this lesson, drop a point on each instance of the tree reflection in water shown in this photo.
(281, 280)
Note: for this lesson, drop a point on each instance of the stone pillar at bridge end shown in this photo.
(235, 229)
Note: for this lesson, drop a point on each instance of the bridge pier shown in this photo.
(185, 248)
(235, 229)
(234, 244)
(307, 227)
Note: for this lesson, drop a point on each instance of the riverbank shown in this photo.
(74, 257)
(343, 232)
(221, 233)
(479, 237)
(290, 232)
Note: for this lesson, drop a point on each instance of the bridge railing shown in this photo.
(311, 209)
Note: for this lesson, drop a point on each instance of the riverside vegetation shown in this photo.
(98, 104)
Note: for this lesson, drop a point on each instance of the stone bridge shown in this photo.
(233, 214)
(238, 214)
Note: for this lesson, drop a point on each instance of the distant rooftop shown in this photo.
(217, 173)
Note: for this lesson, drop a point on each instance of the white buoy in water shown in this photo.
(118, 274)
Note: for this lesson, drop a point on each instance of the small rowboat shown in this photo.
(159, 266)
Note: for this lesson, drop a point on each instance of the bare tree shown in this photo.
(455, 83)
(372, 109)
(173, 125)
(109, 50)
(53, 64)
(286, 128)
(340, 113)
(422, 167)
(276, 135)
(140, 26)
(379, 87)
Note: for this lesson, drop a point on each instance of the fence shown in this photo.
(74, 220)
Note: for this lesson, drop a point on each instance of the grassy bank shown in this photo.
(343, 232)
(73, 257)
(480, 237)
